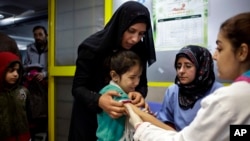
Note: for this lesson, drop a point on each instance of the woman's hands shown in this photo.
(138, 100)
(116, 109)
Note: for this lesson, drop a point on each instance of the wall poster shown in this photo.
(179, 22)
(176, 23)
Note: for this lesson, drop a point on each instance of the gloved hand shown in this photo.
(134, 119)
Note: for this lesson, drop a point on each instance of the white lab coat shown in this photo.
(226, 106)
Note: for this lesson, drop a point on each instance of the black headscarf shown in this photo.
(204, 78)
(109, 39)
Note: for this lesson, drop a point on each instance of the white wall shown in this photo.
(219, 11)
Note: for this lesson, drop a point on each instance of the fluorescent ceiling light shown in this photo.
(1, 16)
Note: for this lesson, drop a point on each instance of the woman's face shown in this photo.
(227, 63)
(133, 35)
(186, 70)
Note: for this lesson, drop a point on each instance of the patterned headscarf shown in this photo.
(204, 78)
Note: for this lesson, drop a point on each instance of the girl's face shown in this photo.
(129, 80)
(12, 74)
(227, 63)
(186, 70)
(133, 35)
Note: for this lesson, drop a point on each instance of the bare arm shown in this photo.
(145, 117)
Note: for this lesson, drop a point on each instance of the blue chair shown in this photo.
(154, 106)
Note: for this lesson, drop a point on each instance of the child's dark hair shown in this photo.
(12, 65)
(123, 60)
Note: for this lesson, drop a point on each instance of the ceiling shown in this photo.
(20, 16)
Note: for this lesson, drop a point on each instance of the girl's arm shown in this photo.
(145, 117)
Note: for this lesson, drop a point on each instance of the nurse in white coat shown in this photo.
(226, 106)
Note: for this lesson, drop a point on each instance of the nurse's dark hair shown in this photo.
(237, 29)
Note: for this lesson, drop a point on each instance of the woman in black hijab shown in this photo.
(130, 29)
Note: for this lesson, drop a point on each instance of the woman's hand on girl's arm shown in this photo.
(114, 108)
(137, 99)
